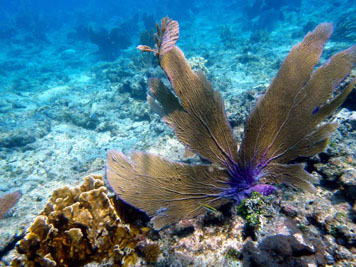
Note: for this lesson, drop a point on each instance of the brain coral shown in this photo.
(78, 225)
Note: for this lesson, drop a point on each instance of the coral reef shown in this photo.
(227, 37)
(13, 137)
(149, 251)
(252, 208)
(198, 63)
(147, 37)
(282, 250)
(109, 42)
(79, 225)
(288, 234)
(62, 109)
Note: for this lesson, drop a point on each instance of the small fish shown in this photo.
(93, 109)
(209, 208)
(92, 117)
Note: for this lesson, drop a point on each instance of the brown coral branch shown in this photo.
(146, 48)
(166, 37)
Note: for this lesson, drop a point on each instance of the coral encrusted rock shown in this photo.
(79, 225)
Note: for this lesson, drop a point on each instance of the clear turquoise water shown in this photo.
(73, 85)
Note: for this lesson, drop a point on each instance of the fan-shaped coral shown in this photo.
(286, 123)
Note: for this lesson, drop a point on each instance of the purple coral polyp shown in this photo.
(244, 181)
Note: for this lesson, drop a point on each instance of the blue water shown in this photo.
(35, 34)
(73, 85)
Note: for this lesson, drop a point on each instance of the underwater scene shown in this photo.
(178, 133)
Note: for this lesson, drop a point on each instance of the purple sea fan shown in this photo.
(283, 126)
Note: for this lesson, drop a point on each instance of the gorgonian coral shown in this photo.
(286, 123)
